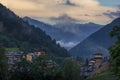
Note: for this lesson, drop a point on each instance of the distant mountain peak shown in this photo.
(64, 19)
(20, 34)
(67, 34)
(116, 20)
(100, 39)
(26, 17)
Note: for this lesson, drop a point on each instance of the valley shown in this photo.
(59, 40)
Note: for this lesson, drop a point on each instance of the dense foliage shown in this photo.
(115, 50)
(3, 64)
(19, 34)
(38, 70)
(71, 70)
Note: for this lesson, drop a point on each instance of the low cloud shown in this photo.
(67, 45)
(113, 15)
(64, 18)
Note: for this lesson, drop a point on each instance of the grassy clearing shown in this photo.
(108, 75)
(11, 49)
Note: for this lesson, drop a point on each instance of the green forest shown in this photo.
(16, 33)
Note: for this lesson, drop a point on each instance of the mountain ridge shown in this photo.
(99, 40)
(68, 34)
(18, 33)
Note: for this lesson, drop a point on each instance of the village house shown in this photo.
(29, 56)
(39, 52)
(97, 64)
(98, 59)
(14, 57)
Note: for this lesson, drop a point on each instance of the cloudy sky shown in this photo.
(98, 11)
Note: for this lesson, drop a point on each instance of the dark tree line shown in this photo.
(38, 69)
(115, 51)
(3, 64)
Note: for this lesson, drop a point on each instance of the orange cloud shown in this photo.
(54, 8)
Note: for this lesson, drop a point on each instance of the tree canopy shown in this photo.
(3, 64)
(115, 50)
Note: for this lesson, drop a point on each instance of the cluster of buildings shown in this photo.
(16, 56)
(97, 64)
